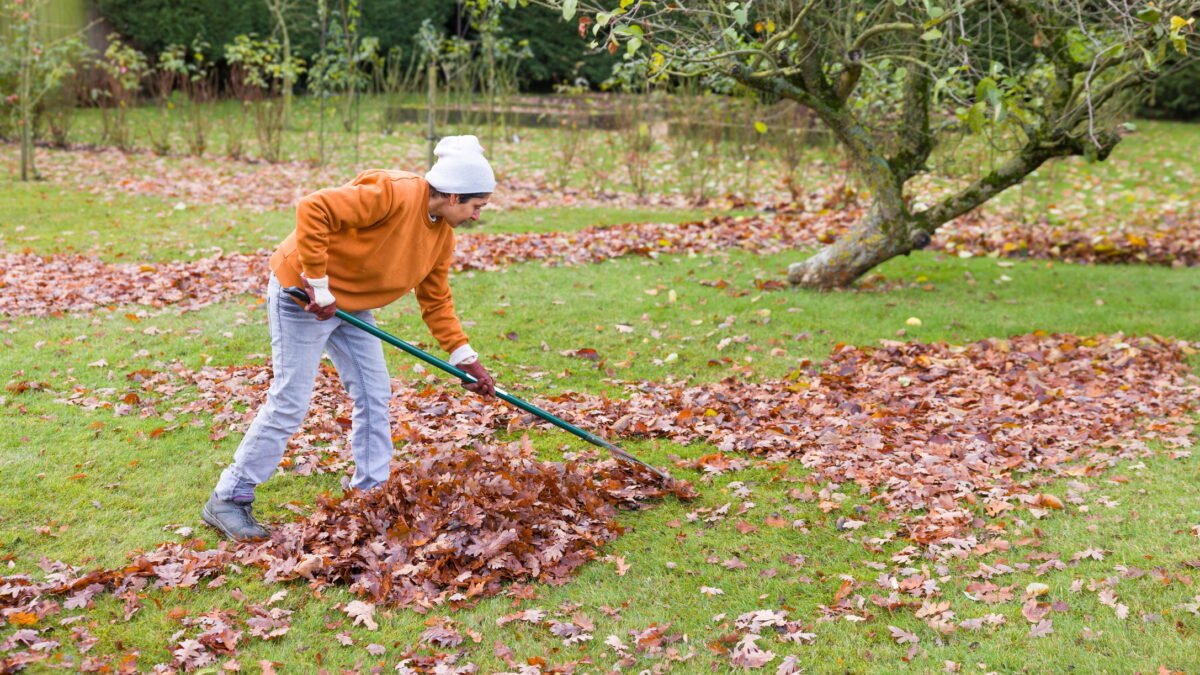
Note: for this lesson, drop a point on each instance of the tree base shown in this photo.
(870, 242)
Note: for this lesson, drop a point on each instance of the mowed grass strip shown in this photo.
(50, 218)
(1151, 172)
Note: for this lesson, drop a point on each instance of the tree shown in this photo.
(559, 56)
(32, 67)
(258, 74)
(342, 67)
(279, 12)
(123, 69)
(1036, 79)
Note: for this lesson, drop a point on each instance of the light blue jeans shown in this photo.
(297, 343)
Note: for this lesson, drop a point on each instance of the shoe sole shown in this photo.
(212, 521)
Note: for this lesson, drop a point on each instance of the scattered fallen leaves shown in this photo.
(970, 419)
(1041, 628)
(747, 653)
(1039, 402)
(362, 613)
(902, 636)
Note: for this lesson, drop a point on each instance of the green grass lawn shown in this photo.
(136, 489)
(88, 488)
(48, 218)
(565, 219)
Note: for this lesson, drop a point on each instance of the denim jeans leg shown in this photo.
(358, 357)
(297, 342)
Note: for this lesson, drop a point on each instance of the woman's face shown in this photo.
(458, 212)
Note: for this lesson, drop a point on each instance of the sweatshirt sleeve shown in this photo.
(366, 200)
(437, 302)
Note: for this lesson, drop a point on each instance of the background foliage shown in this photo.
(152, 25)
(1176, 95)
(559, 54)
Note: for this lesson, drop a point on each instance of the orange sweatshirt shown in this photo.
(374, 240)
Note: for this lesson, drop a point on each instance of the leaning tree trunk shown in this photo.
(883, 233)
(889, 230)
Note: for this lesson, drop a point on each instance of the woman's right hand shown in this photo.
(322, 303)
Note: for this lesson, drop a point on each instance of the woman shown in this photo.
(357, 248)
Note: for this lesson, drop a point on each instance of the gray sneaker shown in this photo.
(233, 518)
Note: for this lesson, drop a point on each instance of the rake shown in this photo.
(617, 453)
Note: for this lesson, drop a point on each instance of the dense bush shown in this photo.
(152, 25)
(559, 55)
(396, 22)
(1177, 95)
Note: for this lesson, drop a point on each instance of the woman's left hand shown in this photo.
(483, 385)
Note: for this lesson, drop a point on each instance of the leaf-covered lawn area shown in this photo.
(64, 282)
(979, 461)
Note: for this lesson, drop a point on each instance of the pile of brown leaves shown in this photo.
(1165, 241)
(448, 528)
(924, 427)
(457, 519)
(458, 522)
(934, 427)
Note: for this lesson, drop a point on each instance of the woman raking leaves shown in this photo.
(357, 248)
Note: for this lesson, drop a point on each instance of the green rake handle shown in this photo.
(432, 360)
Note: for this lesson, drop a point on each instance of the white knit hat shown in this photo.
(461, 167)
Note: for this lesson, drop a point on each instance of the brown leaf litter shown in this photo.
(447, 528)
(41, 285)
(925, 429)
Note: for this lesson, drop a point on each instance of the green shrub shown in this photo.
(396, 22)
(559, 54)
(1177, 95)
(153, 25)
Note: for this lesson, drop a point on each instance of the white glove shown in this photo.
(463, 356)
(321, 294)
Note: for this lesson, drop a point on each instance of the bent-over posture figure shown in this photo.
(357, 248)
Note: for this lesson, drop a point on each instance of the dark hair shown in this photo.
(462, 197)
